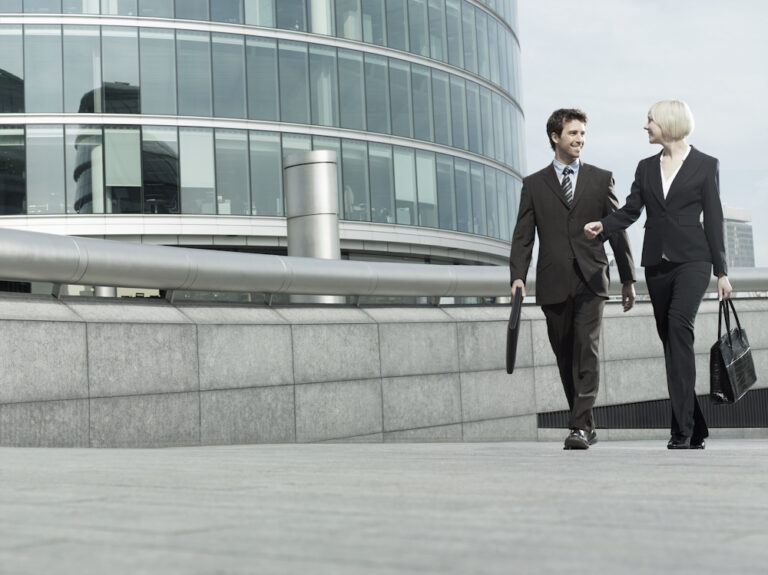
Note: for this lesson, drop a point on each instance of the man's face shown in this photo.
(569, 143)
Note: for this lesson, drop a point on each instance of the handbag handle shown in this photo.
(724, 311)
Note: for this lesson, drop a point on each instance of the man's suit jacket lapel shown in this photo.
(582, 183)
(550, 179)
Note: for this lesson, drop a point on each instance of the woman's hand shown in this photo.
(724, 288)
(592, 230)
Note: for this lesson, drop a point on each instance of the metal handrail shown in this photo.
(58, 259)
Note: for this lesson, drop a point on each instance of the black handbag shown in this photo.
(731, 367)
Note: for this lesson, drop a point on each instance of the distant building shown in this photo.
(739, 242)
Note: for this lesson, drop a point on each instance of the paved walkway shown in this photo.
(523, 508)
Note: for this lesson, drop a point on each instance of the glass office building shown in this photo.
(166, 121)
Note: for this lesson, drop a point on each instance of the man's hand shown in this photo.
(518, 284)
(628, 296)
(592, 230)
(724, 288)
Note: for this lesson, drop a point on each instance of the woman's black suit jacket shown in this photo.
(673, 226)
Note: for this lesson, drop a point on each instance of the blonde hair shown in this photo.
(674, 117)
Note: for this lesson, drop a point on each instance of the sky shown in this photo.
(615, 58)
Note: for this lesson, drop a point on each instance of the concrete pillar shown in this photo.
(312, 211)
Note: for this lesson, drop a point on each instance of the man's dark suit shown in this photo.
(678, 255)
(572, 274)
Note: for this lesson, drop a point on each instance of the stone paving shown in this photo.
(621, 507)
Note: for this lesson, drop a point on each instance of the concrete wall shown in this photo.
(136, 373)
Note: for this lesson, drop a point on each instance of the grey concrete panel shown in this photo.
(447, 433)
(114, 311)
(134, 358)
(520, 428)
(496, 394)
(421, 401)
(370, 438)
(231, 314)
(244, 355)
(635, 380)
(418, 348)
(478, 313)
(320, 315)
(630, 337)
(483, 345)
(408, 314)
(753, 324)
(549, 390)
(542, 350)
(33, 308)
(164, 420)
(264, 415)
(338, 409)
(42, 361)
(327, 352)
(45, 424)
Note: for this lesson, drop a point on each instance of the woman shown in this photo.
(676, 186)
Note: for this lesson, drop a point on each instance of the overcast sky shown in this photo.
(615, 58)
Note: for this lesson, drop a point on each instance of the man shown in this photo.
(572, 273)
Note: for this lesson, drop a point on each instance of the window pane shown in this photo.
(260, 12)
(12, 175)
(11, 70)
(405, 186)
(486, 110)
(474, 119)
(122, 174)
(418, 27)
(354, 168)
(508, 129)
(400, 90)
(228, 76)
(85, 170)
(193, 59)
(397, 24)
(192, 9)
(156, 8)
(82, 6)
(437, 46)
(481, 23)
(198, 188)
(296, 144)
(227, 11)
(291, 15)
(42, 62)
(469, 35)
(502, 207)
(446, 199)
(491, 203)
(382, 182)
(374, 22)
(45, 170)
(119, 7)
(324, 86)
(333, 144)
(422, 103)
(158, 71)
(351, 90)
(232, 180)
(478, 198)
(463, 195)
(82, 69)
(42, 6)
(261, 54)
(348, 19)
(321, 17)
(441, 97)
(120, 50)
(267, 168)
(458, 112)
(294, 76)
(160, 169)
(427, 186)
(453, 29)
(377, 93)
(498, 127)
(10, 6)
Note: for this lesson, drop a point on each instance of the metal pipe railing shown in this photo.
(35, 256)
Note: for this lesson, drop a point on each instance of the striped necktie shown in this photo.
(567, 186)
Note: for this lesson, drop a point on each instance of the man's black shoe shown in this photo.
(592, 437)
(679, 442)
(577, 439)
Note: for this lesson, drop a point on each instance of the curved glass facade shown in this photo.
(187, 107)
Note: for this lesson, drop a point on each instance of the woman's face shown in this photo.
(654, 132)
